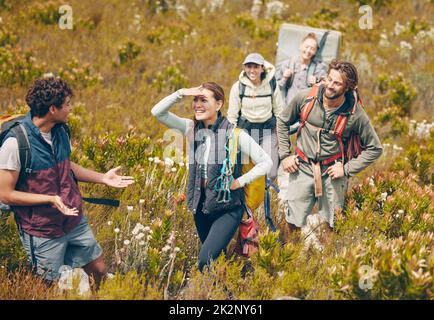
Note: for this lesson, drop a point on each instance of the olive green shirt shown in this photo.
(307, 141)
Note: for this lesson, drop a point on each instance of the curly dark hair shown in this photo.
(46, 92)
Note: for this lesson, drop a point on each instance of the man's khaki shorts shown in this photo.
(297, 194)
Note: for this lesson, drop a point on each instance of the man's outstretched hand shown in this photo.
(58, 203)
(112, 179)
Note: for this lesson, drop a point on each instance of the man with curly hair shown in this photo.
(47, 202)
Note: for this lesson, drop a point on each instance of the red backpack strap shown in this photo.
(341, 122)
(307, 107)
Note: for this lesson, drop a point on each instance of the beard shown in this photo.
(332, 94)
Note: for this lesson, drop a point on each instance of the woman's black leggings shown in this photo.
(215, 232)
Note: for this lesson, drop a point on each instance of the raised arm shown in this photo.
(161, 112)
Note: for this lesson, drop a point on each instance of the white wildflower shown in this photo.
(383, 196)
(151, 159)
(142, 243)
(398, 28)
(48, 75)
(130, 208)
(165, 249)
(280, 273)
(117, 230)
(140, 236)
(371, 182)
(215, 5)
(405, 49)
(126, 242)
(181, 164)
(168, 162)
(146, 229)
(141, 201)
(157, 160)
(182, 11)
(173, 169)
(177, 249)
(430, 34)
(424, 36)
(138, 227)
(275, 9)
(405, 45)
(256, 8)
(401, 211)
(109, 223)
(384, 41)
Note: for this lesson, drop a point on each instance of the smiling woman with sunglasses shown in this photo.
(207, 134)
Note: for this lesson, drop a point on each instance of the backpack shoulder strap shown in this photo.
(273, 86)
(342, 120)
(233, 144)
(308, 106)
(241, 91)
(24, 149)
(309, 103)
(322, 43)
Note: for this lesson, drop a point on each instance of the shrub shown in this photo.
(46, 13)
(170, 79)
(12, 253)
(7, 36)
(128, 52)
(131, 286)
(257, 29)
(5, 4)
(79, 74)
(17, 66)
(397, 91)
(400, 268)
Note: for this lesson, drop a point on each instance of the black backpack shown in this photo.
(12, 123)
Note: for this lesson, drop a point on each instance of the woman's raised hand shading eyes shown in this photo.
(195, 91)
